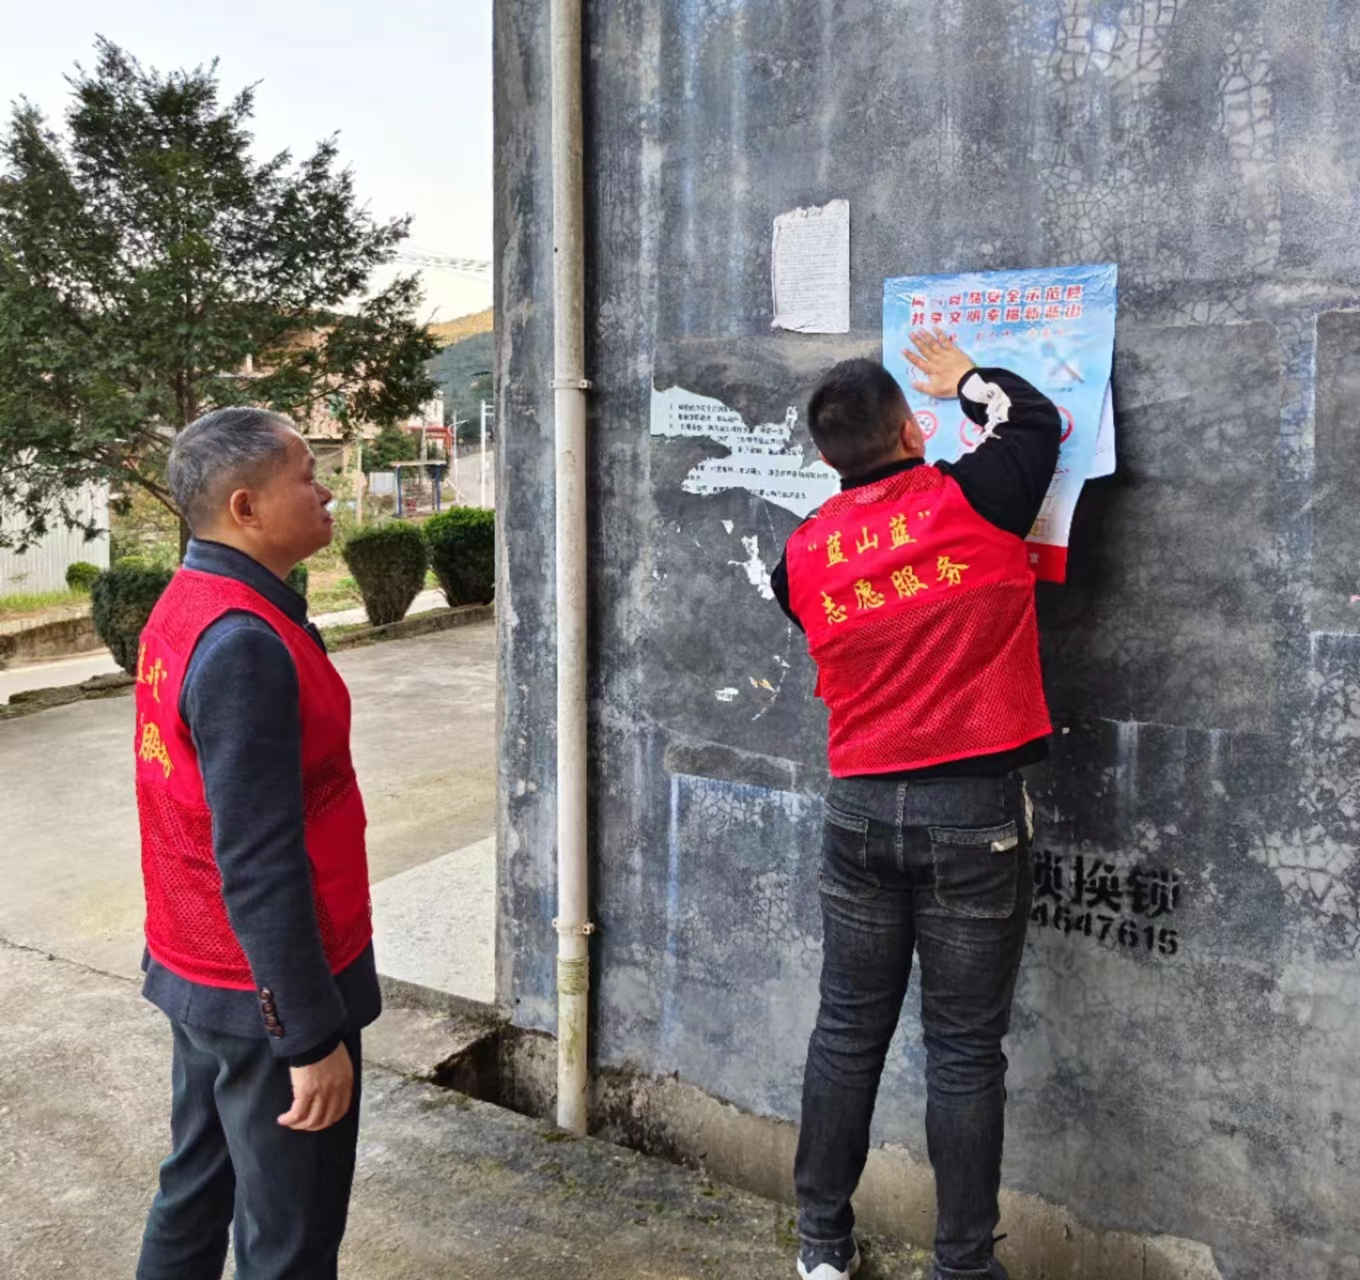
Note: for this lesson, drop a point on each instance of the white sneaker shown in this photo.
(827, 1264)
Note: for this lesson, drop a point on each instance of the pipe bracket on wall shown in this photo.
(585, 929)
(572, 384)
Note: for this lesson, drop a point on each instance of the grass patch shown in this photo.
(331, 592)
(35, 602)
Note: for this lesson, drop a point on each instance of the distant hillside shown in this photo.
(451, 331)
(471, 351)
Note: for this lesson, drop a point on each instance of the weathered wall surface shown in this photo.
(1203, 661)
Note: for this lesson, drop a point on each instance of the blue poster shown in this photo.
(1052, 326)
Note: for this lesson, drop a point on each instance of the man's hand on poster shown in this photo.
(942, 363)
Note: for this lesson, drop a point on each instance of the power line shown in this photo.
(473, 267)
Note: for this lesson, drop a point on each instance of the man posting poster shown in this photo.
(914, 588)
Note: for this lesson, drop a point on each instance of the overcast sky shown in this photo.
(405, 83)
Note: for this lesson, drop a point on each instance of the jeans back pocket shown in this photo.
(845, 856)
(845, 838)
(977, 869)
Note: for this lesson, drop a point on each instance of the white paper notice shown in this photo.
(811, 269)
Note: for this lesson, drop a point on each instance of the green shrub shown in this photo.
(388, 562)
(121, 601)
(298, 580)
(81, 575)
(463, 553)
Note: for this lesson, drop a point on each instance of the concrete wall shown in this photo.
(1203, 661)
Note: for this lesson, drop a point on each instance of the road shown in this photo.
(446, 1188)
(424, 749)
(60, 672)
(55, 674)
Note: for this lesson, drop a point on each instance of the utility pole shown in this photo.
(360, 480)
(482, 501)
(486, 416)
(453, 446)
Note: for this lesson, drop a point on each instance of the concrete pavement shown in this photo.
(434, 925)
(446, 1188)
(424, 749)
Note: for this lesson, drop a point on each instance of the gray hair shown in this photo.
(218, 453)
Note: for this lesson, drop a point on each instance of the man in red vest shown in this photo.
(914, 588)
(258, 929)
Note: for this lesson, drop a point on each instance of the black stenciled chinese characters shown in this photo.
(1089, 897)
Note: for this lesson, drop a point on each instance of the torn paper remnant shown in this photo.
(810, 268)
(756, 572)
(763, 459)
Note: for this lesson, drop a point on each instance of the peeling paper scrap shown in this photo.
(756, 572)
(810, 269)
(762, 459)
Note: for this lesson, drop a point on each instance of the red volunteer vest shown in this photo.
(920, 617)
(187, 929)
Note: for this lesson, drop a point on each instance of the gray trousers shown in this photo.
(233, 1165)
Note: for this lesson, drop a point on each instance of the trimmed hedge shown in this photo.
(298, 580)
(81, 575)
(121, 601)
(463, 554)
(388, 562)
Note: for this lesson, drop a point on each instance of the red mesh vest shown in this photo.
(187, 929)
(920, 617)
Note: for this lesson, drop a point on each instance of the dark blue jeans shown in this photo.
(287, 1192)
(943, 869)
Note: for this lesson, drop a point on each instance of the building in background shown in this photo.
(42, 567)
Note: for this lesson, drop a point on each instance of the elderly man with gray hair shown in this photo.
(258, 930)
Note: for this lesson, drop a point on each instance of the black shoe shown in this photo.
(992, 1271)
(829, 1262)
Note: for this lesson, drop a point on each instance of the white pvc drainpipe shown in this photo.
(569, 394)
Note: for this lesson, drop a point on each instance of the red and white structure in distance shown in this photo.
(428, 426)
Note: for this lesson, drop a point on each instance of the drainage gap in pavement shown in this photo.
(657, 1116)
